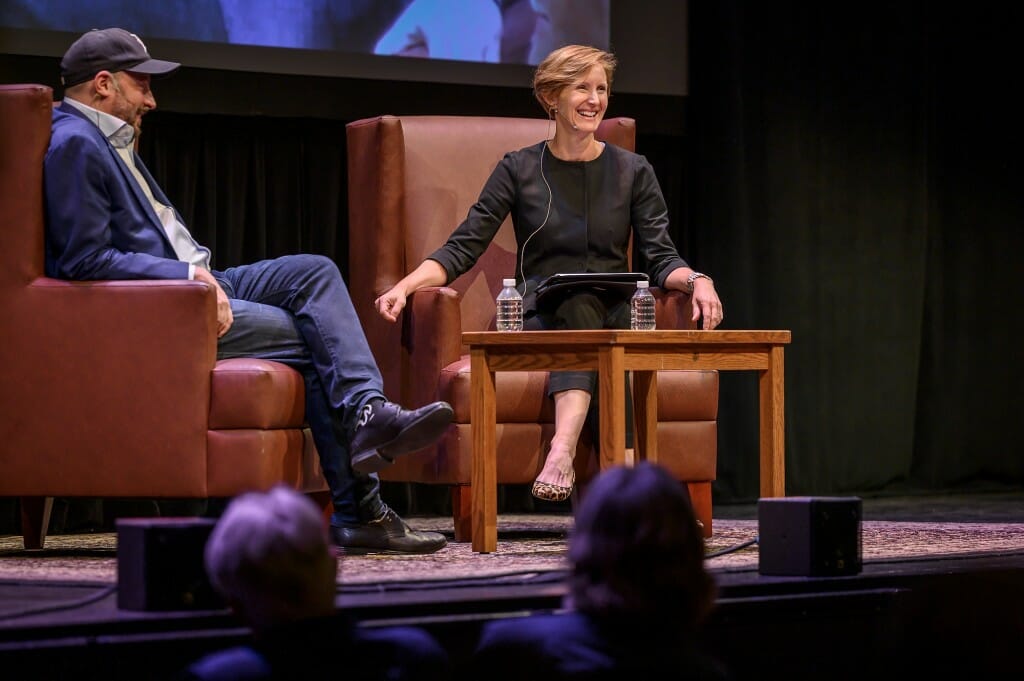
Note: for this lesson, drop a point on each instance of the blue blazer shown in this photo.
(99, 224)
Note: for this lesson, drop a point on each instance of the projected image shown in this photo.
(505, 31)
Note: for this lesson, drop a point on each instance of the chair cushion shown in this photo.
(521, 395)
(256, 393)
(247, 459)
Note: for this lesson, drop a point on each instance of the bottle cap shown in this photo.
(508, 282)
(642, 283)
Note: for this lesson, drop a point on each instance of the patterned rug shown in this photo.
(527, 544)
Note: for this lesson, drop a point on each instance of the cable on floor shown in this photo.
(730, 549)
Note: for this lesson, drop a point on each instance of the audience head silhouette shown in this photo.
(636, 592)
(269, 557)
(637, 549)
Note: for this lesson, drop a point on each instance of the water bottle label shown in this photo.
(642, 313)
(510, 314)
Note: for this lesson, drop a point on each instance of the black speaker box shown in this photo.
(809, 536)
(160, 564)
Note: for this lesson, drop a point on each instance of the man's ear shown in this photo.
(103, 83)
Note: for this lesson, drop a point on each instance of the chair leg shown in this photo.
(700, 498)
(35, 520)
(461, 505)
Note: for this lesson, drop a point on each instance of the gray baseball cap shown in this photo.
(109, 49)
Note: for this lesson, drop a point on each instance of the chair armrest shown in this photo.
(161, 334)
(673, 309)
(131, 343)
(432, 336)
(109, 379)
(132, 320)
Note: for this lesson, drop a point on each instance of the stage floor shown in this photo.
(61, 602)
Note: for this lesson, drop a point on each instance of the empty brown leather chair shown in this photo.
(112, 388)
(412, 180)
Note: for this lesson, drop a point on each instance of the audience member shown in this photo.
(577, 205)
(637, 592)
(107, 218)
(270, 559)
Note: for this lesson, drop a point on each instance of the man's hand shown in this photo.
(224, 316)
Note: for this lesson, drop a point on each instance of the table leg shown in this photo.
(611, 381)
(645, 405)
(773, 425)
(483, 416)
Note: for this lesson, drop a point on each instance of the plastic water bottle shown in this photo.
(510, 307)
(641, 308)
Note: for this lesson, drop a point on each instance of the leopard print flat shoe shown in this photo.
(548, 492)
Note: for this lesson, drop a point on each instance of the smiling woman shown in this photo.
(572, 85)
(576, 205)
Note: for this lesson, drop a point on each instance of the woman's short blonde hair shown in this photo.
(565, 66)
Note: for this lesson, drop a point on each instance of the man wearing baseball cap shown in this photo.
(107, 218)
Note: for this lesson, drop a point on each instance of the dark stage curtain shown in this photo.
(251, 187)
(855, 178)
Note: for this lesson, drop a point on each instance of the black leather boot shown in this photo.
(385, 430)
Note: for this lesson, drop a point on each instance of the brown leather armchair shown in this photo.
(411, 180)
(112, 388)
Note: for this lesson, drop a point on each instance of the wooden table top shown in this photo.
(628, 337)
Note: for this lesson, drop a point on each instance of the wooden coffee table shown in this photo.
(611, 353)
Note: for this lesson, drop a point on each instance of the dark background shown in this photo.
(849, 171)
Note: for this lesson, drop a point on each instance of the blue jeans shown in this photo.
(296, 310)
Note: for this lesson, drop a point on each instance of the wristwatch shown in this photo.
(694, 277)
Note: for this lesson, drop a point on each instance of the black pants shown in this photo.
(585, 310)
